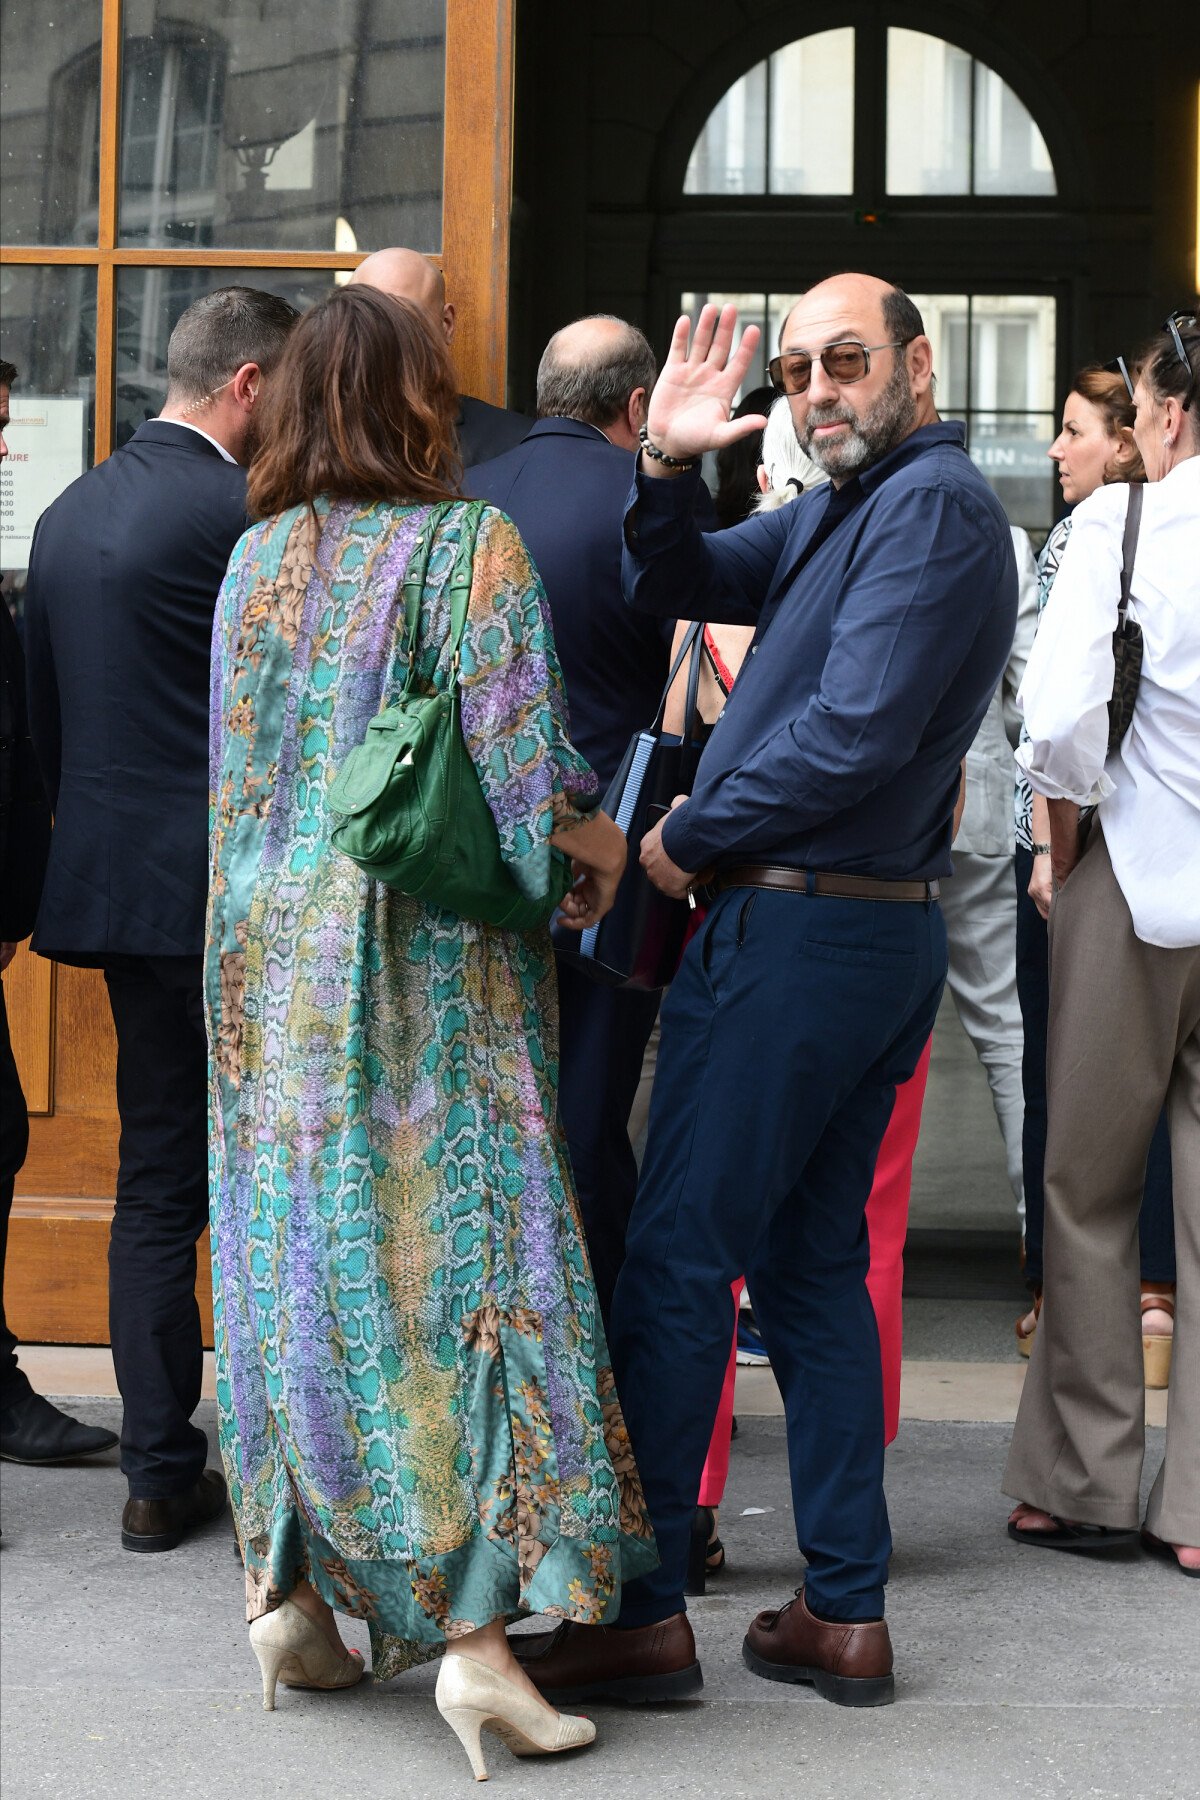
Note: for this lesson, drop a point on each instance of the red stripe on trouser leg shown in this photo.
(887, 1228)
(716, 1464)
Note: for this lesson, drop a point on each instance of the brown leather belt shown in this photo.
(807, 881)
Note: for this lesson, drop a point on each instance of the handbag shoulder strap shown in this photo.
(693, 724)
(1133, 519)
(460, 578)
(688, 646)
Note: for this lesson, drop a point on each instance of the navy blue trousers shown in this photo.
(603, 1033)
(162, 1207)
(784, 1036)
(14, 1142)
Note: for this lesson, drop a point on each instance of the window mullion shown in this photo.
(106, 235)
(110, 116)
(971, 103)
(969, 396)
(870, 115)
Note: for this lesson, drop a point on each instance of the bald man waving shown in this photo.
(820, 821)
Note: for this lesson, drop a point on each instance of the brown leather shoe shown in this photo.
(162, 1524)
(644, 1666)
(850, 1664)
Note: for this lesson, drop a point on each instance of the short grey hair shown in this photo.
(221, 331)
(595, 390)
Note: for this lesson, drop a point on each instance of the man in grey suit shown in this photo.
(979, 900)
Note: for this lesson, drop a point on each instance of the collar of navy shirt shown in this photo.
(821, 523)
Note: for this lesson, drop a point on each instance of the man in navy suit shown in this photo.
(124, 573)
(566, 488)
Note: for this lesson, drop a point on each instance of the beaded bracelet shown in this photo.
(668, 462)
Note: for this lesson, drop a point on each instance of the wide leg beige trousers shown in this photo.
(1124, 1036)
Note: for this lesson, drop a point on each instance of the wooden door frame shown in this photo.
(476, 204)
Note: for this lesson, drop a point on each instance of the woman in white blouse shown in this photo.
(1125, 995)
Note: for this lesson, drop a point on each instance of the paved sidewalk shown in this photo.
(1020, 1673)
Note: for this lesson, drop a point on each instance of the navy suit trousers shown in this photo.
(162, 1207)
(784, 1036)
(603, 1033)
(14, 1141)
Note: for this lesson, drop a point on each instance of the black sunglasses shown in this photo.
(845, 362)
(1118, 366)
(1177, 323)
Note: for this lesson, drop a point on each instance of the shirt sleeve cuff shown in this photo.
(1050, 789)
(682, 843)
(654, 498)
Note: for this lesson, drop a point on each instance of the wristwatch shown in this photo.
(1041, 849)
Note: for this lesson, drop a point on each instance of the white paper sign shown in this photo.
(47, 450)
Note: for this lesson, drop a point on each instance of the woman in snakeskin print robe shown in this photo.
(417, 1414)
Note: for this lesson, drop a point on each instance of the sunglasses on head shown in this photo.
(1177, 323)
(845, 363)
(1118, 366)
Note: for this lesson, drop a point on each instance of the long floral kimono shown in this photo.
(416, 1408)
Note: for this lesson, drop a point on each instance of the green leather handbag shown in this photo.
(410, 810)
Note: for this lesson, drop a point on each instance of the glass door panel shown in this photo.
(283, 124)
(49, 122)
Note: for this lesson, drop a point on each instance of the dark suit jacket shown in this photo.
(565, 489)
(485, 431)
(24, 814)
(124, 573)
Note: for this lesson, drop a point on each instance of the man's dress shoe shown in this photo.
(645, 1666)
(34, 1431)
(162, 1524)
(848, 1662)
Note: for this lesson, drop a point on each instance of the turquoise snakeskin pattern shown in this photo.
(416, 1408)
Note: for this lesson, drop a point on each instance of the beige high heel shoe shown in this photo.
(472, 1697)
(1156, 1348)
(291, 1648)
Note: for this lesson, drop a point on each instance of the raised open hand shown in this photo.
(689, 408)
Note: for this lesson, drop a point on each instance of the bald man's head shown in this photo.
(599, 370)
(862, 300)
(846, 425)
(407, 275)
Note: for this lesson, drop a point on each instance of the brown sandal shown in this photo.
(1025, 1338)
(1156, 1350)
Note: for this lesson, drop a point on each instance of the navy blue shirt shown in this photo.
(885, 612)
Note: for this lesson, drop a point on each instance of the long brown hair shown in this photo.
(1107, 392)
(360, 407)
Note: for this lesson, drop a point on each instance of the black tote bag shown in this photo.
(638, 943)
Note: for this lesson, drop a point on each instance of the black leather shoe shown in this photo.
(34, 1431)
(164, 1523)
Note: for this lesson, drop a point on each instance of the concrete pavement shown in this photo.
(1020, 1673)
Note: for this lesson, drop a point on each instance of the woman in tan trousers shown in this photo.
(1124, 1031)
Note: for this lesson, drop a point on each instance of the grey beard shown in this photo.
(884, 424)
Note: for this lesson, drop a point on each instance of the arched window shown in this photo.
(875, 146)
(953, 126)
